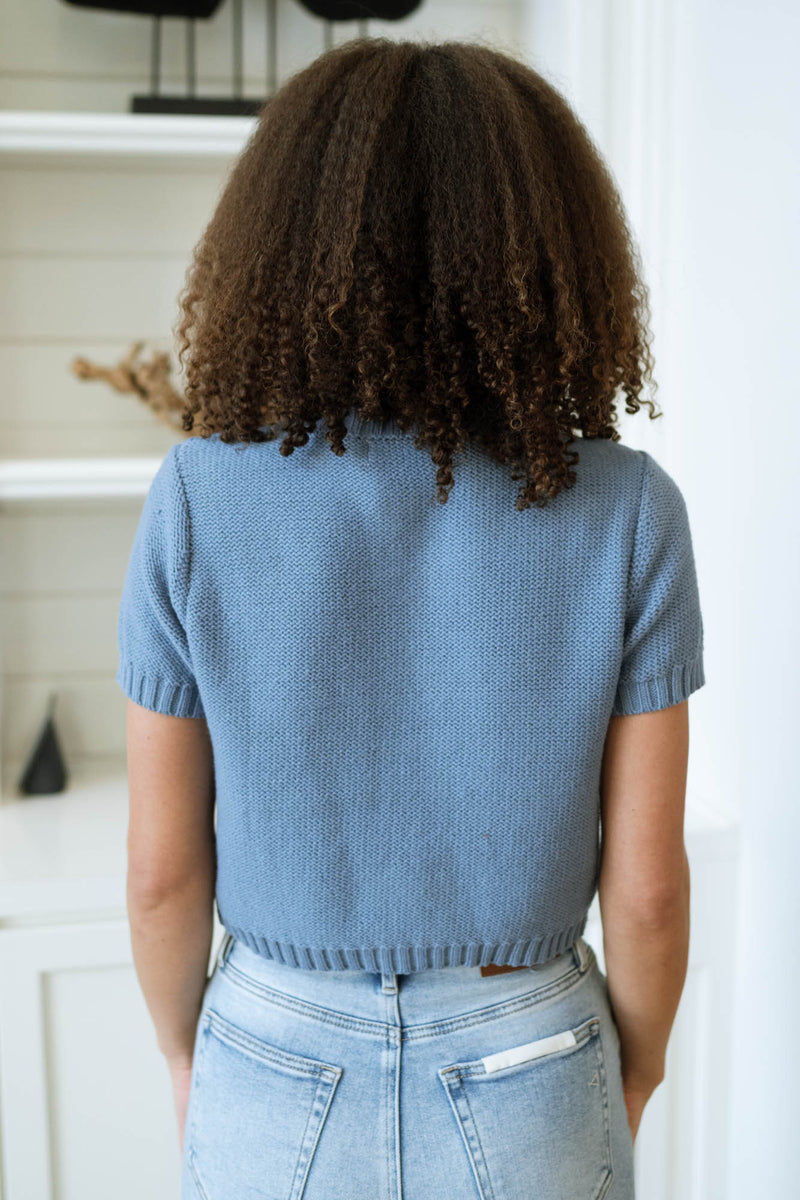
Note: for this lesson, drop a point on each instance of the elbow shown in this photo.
(667, 905)
(663, 913)
(149, 890)
(648, 906)
(149, 894)
(143, 894)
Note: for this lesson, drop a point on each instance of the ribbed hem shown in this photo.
(159, 695)
(649, 695)
(403, 959)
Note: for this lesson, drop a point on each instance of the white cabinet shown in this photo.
(85, 1098)
(100, 213)
(85, 1095)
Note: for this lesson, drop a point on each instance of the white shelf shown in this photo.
(65, 853)
(60, 478)
(136, 134)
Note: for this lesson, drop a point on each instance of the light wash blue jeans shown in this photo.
(436, 1085)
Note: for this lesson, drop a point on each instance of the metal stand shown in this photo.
(236, 105)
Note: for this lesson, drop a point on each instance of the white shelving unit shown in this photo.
(75, 208)
(74, 478)
(100, 212)
(36, 134)
(92, 140)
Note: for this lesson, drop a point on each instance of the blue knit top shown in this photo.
(407, 700)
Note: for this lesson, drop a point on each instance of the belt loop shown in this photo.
(388, 983)
(225, 948)
(581, 954)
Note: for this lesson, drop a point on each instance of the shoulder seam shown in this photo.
(176, 446)
(183, 560)
(628, 597)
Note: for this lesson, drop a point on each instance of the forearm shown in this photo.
(646, 963)
(171, 936)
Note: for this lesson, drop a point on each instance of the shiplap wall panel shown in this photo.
(63, 565)
(89, 715)
(120, 230)
(47, 411)
(129, 209)
(60, 635)
(61, 632)
(56, 309)
(70, 297)
(49, 549)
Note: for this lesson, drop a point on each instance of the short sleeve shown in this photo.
(155, 667)
(662, 660)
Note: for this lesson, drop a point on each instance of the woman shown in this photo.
(411, 694)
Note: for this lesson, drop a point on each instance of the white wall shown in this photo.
(695, 102)
(738, 243)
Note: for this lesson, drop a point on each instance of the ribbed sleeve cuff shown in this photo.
(160, 695)
(649, 695)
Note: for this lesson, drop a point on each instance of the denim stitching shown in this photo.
(477, 1155)
(571, 978)
(225, 1030)
(601, 1066)
(192, 1132)
(195, 1176)
(453, 1078)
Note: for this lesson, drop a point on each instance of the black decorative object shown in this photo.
(236, 105)
(360, 10)
(45, 772)
(160, 8)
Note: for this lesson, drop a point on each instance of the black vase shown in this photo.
(45, 772)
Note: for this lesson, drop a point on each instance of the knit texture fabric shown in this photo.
(407, 701)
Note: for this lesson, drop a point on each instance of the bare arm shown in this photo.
(171, 870)
(644, 886)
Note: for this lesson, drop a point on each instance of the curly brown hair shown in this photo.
(424, 234)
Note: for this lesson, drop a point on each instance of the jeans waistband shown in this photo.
(577, 954)
(423, 993)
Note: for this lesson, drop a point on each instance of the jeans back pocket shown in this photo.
(534, 1117)
(255, 1116)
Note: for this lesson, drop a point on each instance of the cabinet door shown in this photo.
(85, 1096)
